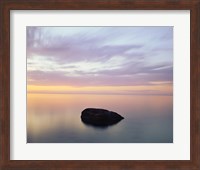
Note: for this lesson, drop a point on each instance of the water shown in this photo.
(55, 118)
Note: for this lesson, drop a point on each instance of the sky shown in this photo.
(100, 60)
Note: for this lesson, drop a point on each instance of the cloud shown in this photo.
(98, 56)
(124, 76)
(71, 49)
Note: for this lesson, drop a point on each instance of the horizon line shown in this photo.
(147, 94)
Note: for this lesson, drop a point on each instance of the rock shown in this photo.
(100, 117)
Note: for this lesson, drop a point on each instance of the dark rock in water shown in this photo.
(100, 117)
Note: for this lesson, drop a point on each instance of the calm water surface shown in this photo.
(55, 118)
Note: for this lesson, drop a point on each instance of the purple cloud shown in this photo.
(98, 56)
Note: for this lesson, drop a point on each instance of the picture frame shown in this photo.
(7, 5)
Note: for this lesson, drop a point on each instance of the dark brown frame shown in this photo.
(7, 5)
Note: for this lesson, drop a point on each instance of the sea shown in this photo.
(56, 118)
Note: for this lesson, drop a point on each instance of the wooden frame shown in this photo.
(7, 5)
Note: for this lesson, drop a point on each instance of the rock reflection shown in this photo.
(98, 126)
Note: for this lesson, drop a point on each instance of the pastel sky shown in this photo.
(115, 60)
